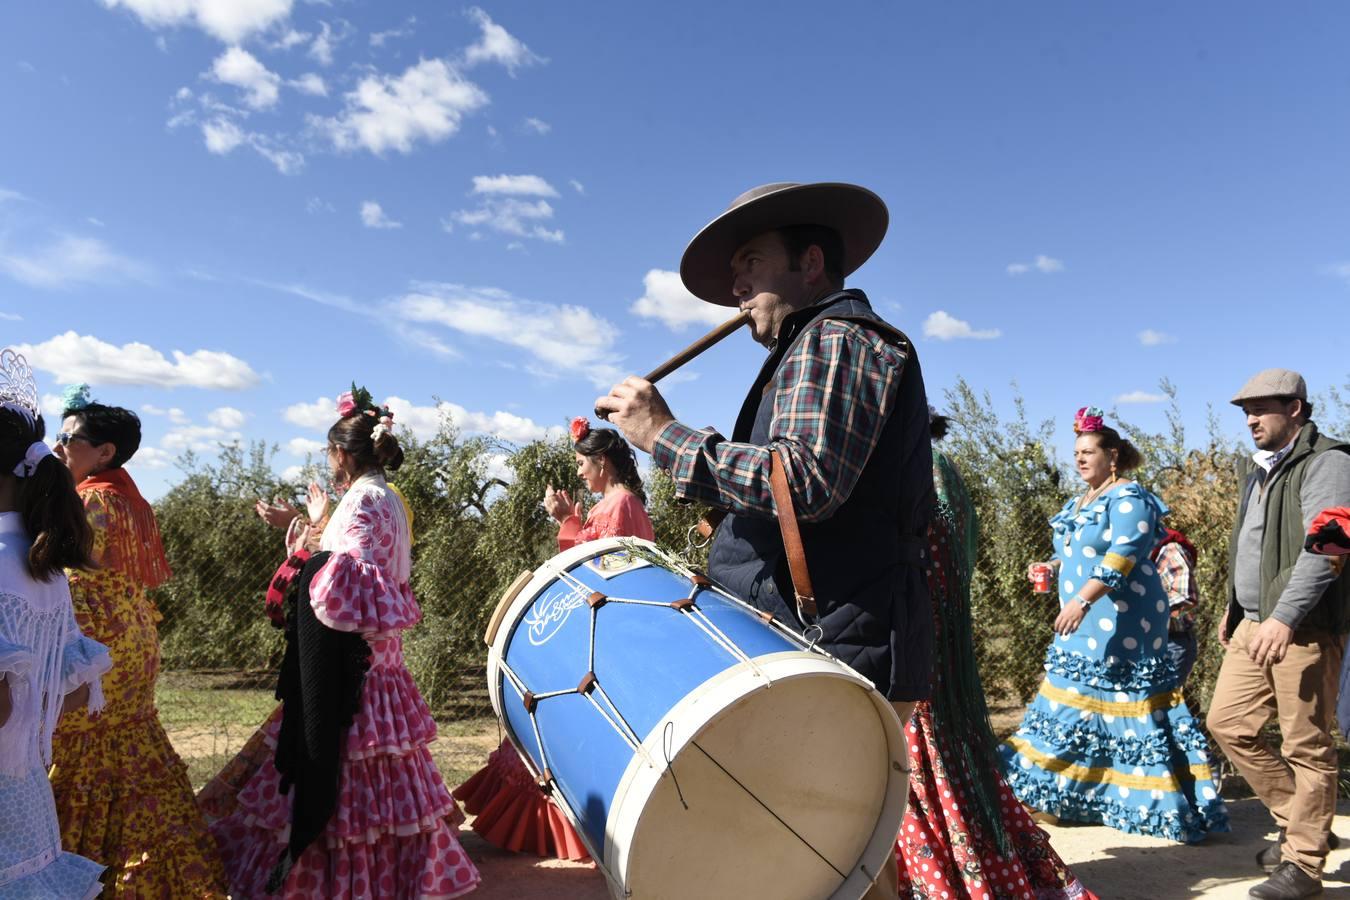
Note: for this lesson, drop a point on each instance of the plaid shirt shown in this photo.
(1179, 583)
(836, 389)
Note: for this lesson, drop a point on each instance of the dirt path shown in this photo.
(1113, 865)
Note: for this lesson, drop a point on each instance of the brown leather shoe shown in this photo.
(1287, 882)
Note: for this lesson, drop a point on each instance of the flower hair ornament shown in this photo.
(75, 397)
(358, 402)
(1088, 419)
(579, 428)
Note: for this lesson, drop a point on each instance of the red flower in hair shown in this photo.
(346, 405)
(1088, 419)
(580, 427)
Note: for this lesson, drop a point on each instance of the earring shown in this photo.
(1113, 470)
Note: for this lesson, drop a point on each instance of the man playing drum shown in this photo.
(840, 400)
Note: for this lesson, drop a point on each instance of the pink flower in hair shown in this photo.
(579, 429)
(346, 405)
(1088, 419)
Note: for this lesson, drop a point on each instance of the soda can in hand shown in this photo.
(1042, 577)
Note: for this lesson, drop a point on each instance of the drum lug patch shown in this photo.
(530, 701)
(683, 605)
(596, 600)
(587, 683)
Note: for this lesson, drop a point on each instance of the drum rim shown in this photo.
(640, 781)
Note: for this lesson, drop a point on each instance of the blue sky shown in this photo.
(221, 212)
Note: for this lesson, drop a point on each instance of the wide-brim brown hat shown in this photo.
(857, 214)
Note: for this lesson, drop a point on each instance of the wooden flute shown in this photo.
(717, 335)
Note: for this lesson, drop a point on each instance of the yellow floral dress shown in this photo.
(122, 793)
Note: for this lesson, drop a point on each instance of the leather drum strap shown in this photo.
(792, 538)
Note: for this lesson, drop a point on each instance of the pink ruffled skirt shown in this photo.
(390, 835)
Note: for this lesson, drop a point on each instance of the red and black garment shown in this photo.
(1329, 534)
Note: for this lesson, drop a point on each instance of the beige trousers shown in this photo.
(887, 885)
(1298, 784)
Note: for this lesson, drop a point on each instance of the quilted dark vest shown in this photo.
(866, 560)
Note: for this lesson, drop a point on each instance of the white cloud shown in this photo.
(378, 38)
(311, 84)
(10, 317)
(326, 41)
(427, 102)
(498, 465)
(319, 415)
(229, 21)
(292, 473)
(1339, 270)
(241, 69)
(317, 205)
(227, 417)
(666, 300)
(1141, 397)
(422, 421)
(221, 136)
(513, 185)
(176, 415)
(1150, 338)
(151, 458)
(945, 327)
(303, 447)
(290, 38)
(496, 44)
(201, 438)
(577, 186)
(561, 338)
(75, 357)
(425, 421)
(510, 215)
(1044, 264)
(66, 261)
(372, 216)
(52, 406)
(537, 126)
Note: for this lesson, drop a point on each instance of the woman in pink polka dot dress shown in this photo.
(387, 836)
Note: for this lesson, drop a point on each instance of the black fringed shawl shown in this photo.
(320, 690)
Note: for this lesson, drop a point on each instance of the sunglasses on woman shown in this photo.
(65, 437)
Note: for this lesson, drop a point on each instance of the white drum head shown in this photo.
(788, 790)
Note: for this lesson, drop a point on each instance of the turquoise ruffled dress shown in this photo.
(1108, 738)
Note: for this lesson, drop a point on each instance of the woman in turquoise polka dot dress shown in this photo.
(1108, 738)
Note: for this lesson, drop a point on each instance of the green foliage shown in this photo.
(475, 532)
(1015, 485)
(221, 554)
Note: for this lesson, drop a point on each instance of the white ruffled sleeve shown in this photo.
(356, 590)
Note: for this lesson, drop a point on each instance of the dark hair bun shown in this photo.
(388, 452)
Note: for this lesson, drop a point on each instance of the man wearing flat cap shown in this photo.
(1288, 613)
(840, 401)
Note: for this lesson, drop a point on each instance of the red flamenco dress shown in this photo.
(965, 835)
(387, 834)
(510, 810)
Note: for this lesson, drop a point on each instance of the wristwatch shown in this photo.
(1086, 604)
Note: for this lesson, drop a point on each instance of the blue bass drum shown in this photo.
(699, 750)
